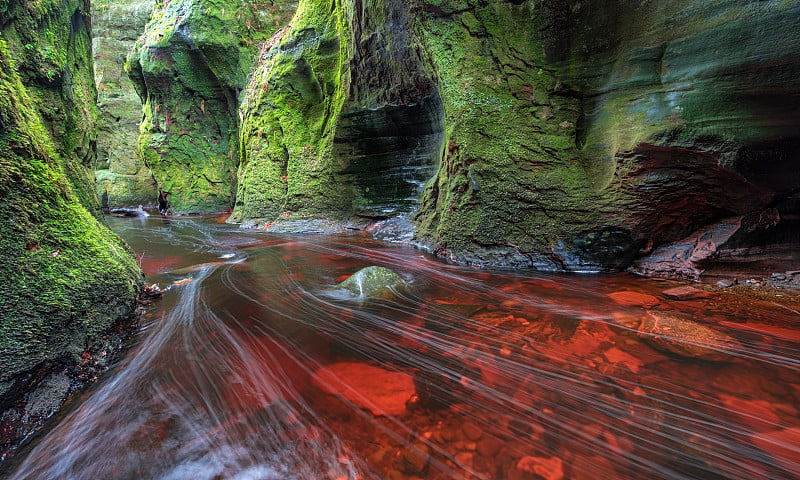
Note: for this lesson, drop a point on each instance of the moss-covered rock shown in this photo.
(373, 282)
(561, 135)
(509, 189)
(50, 42)
(189, 67)
(122, 178)
(581, 134)
(65, 278)
(341, 118)
(689, 108)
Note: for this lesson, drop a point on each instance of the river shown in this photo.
(252, 366)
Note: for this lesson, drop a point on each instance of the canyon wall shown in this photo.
(66, 280)
(342, 118)
(569, 135)
(613, 128)
(189, 67)
(123, 180)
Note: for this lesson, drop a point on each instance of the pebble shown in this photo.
(726, 283)
(415, 458)
(472, 431)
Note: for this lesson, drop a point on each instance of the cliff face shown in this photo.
(65, 278)
(122, 178)
(638, 125)
(189, 67)
(689, 124)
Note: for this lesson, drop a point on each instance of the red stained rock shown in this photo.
(686, 293)
(759, 414)
(547, 468)
(783, 446)
(615, 355)
(686, 338)
(634, 299)
(380, 391)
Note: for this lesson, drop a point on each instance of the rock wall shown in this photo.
(568, 135)
(689, 120)
(341, 118)
(189, 67)
(123, 180)
(65, 280)
(612, 128)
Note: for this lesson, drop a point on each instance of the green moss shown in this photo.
(290, 111)
(65, 278)
(508, 174)
(189, 66)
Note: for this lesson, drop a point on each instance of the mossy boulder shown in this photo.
(373, 282)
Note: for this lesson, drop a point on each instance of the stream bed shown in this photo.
(252, 366)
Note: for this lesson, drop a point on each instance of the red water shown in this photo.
(253, 367)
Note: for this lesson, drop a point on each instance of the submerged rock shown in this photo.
(686, 338)
(380, 391)
(373, 282)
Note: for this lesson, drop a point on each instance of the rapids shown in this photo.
(253, 367)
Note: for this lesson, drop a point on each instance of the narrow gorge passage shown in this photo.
(253, 366)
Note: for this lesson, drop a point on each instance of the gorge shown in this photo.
(500, 147)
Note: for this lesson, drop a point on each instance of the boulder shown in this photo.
(373, 282)
(686, 338)
(381, 391)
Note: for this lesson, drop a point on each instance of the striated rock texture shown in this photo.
(342, 117)
(189, 67)
(65, 280)
(689, 117)
(594, 131)
(122, 178)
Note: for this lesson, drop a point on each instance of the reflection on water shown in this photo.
(250, 368)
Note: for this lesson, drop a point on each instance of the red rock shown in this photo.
(783, 446)
(547, 468)
(687, 338)
(380, 391)
(759, 414)
(615, 355)
(634, 299)
(686, 293)
(787, 334)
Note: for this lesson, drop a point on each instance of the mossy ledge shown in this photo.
(66, 280)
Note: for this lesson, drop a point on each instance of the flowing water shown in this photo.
(253, 367)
